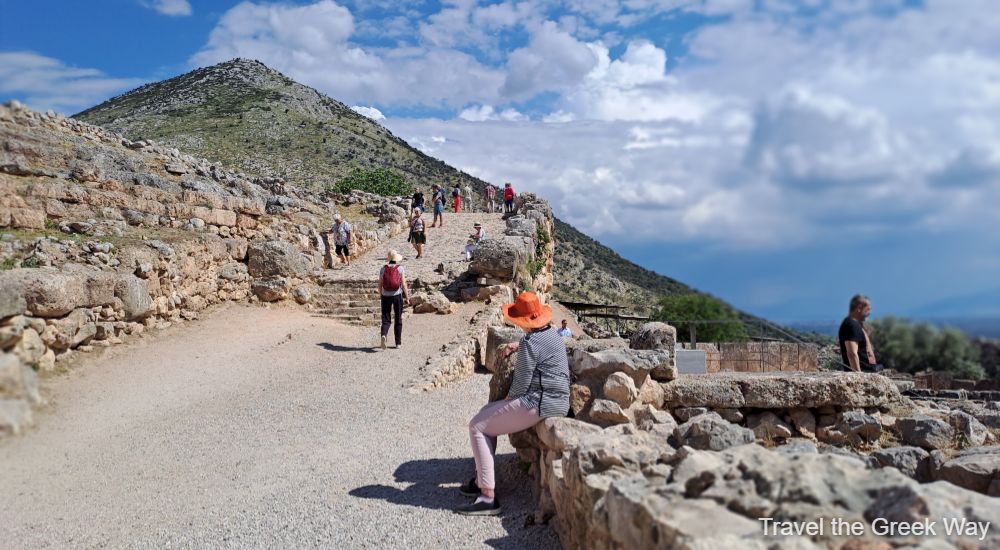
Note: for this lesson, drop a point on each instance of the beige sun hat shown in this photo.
(395, 256)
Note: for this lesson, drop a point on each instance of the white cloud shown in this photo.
(169, 7)
(552, 60)
(370, 112)
(46, 83)
(487, 112)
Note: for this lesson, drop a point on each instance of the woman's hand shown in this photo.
(508, 349)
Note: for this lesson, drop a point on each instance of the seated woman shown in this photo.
(478, 234)
(539, 389)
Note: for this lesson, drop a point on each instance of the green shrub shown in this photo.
(8, 263)
(380, 181)
(30, 261)
(909, 347)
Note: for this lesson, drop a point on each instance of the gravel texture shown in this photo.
(258, 427)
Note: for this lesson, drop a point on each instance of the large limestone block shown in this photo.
(620, 388)
(501, 258)
(912, 461)
(47, 292)
(270, 289)
(780, 390)
(134, 296)
(275, 258)
(637, 364)
(559, 433)
(432, 302)
(521, 226)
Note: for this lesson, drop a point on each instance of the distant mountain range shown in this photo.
(254, 119)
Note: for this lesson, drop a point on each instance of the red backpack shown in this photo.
(391, 278)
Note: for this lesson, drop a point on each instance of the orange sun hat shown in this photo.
(527, 312)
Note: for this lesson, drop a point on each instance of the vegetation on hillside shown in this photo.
(378, 180)
(701, 318)
(915, 347)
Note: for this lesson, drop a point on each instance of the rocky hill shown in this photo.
(256, 120)
(251, 118)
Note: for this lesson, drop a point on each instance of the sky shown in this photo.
(782, 155)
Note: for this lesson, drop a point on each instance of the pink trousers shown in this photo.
(495, 419)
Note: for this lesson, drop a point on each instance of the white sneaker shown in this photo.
(383, 342)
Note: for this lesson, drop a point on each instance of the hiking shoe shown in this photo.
(470, 489)
(383, 342)
(480, 509)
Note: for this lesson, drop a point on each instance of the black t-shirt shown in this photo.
(852, 331)
(418, 199)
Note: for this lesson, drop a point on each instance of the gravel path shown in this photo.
(257, 427)
(444, 245)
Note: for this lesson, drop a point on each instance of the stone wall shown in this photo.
(652, 459)
(123, 236)
(759, 357)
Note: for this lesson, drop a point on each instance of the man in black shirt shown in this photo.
(418, 200)
(856, 348)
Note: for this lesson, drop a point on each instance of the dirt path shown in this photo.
(257, 427)
(444, 245)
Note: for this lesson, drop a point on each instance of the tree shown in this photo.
(909, 347)
(689, 313)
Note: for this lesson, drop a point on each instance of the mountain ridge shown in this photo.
(251, 117)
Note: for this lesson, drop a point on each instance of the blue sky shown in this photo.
(780, 154)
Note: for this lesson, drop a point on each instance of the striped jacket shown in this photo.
(541, 375)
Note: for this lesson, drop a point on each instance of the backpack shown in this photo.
(391, 279)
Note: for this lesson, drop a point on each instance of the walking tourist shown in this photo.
(489, 196)
(342, 237)
(539, 389)
(467, 198)
(856, 348)
(456, 197)
(418, 199)
(392, 287)
(437, 196)
(417, 236)
(508, 198)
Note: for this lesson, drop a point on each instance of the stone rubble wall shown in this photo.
(653, 459)
(147, 237)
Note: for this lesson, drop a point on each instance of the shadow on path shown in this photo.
(337, 347)
(434, 483)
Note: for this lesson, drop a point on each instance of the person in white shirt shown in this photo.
(475, 238)
(564, 330)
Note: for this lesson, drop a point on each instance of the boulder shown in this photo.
(651, 393)
(270, 289)
(620, 388)
(711, 432)
(912, 461)
(804, 422)
(11, 301)
(30, 348)
(275, 258)
(859, 427)
(654, 336)
(926, 432)
(234, 271)
(638, 364)
(579, 398)
(432, 302)
(973, 431)
(767, 426)
(501, 258)
(132, 292)
(497, 336)
(647, 416)
(974, 469)
(687, 413)
(559, 433)
(605, 413)
(521, 226)
(302, 295)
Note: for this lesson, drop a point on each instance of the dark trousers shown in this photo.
(393, 305)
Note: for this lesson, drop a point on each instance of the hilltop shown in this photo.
(252, 118)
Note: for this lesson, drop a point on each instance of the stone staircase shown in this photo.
(353, 302)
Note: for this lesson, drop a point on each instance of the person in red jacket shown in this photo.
(508, 198)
